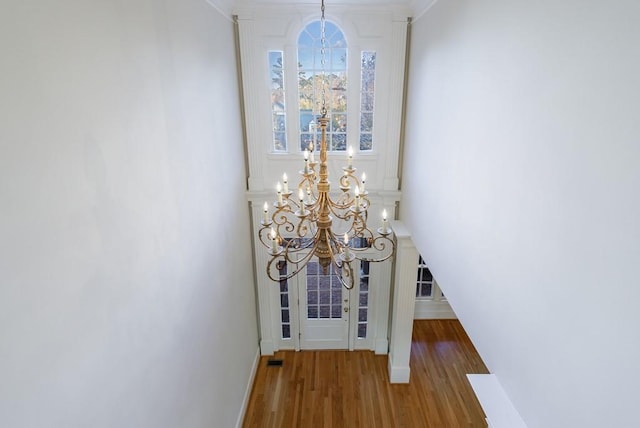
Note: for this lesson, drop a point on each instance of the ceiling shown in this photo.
(416, 7)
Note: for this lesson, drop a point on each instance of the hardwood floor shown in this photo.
(351, 389)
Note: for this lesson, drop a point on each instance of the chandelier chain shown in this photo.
(323, 46)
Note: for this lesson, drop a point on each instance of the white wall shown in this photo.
(121, 182)
(521, 184)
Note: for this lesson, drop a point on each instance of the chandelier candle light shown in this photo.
(299, 230)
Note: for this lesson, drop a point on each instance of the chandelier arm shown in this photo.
(280, 219)
(365, 203)
(342, 214)
(347, 178)
(345, 269)
(263, 233)
(302, 229)
(311, 244)
(300, 265)
(382, 243)
(344, 182)
(341, 266)
(294, 245)
(343, 202)
(308, 181)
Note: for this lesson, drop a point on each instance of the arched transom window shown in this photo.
(327, 80)
(317, 81)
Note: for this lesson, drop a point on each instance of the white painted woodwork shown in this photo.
(434, 307)
(324, 333)
(248, 389)
(433, 310)
(379, 307)
(275, 28)
(379, 28)
(495, 402)
(404, 295)
(415, 8)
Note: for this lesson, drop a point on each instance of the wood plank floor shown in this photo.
(351, 389)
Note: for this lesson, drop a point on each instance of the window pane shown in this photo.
(338, 142)
(312, 282)
(338, 122)
(324, 282)
(364, 297)
(424, 282)
(324, 311)
(366, 142)
(278, 108)
(325, 297)
(338, 59)
(305, 59)
(284, 302)
(366, 122)
(336, 311)
(367, 98)
(425, 290)
(363, 300)
(362, 331)
(426, 274)
(368, 80)
(312, 312)
(367, 102)
(312, 297)
(368, 60)
(312, 268)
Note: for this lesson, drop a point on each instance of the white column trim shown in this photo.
(394, 118)
(403, 305)
(263, 286)
(253, 117)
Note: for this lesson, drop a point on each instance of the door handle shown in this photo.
(346, 309)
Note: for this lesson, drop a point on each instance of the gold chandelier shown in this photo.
(298, 230)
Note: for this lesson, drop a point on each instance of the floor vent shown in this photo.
(277, 363)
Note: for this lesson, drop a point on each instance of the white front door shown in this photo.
(324, 309)
(314, 310)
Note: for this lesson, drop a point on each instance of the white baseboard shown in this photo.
(433, 310)
(247, 392)
(267, 347)
(398, 374)
(381, 347)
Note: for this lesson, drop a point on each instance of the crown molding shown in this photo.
(225, 7)
(415, 8)
(420, 7)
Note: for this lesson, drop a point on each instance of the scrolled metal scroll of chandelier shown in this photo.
(301, 225)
